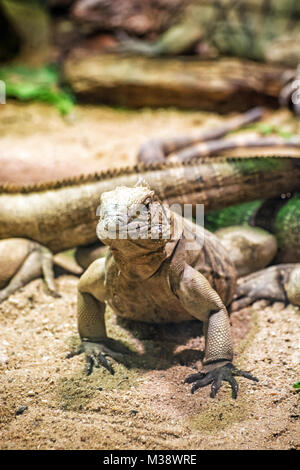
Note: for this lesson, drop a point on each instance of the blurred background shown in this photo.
(92, 80)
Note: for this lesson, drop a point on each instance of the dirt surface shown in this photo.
(46, 401)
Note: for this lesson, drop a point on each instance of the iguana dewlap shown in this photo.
(158, 280)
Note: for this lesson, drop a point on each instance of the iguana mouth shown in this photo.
(117, 227)
(116, 222)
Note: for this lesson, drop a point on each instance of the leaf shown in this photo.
(38, 84)
(267, 129)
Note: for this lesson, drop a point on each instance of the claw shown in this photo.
(89, 365)
(247, 375)
(216, 385)
(99, 359)
(202, 383)
(234, 385)
(191, 378)
(216, 376)
(96, 354)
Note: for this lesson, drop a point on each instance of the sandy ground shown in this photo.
(46, 401)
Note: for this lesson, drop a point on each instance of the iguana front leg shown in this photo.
(91, 323)
(203, 302)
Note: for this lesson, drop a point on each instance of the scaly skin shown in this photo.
(157, 276)
(279, 216)
(250, 248)
(61, 215)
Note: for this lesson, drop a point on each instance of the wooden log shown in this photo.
(133, 81)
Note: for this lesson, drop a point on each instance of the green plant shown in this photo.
(39, 84)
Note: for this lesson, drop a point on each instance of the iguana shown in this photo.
(161, 267)
(267, 31)
(61, 215)
(211, 142)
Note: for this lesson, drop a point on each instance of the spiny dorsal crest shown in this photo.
(141, 182)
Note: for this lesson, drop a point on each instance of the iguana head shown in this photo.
(133, 214)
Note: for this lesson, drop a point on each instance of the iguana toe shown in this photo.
(241, 303)
(96, 354)
(96, 359)
(216, 376)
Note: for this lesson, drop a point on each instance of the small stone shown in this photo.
(31, 393)
(4, 359)
(21, 410)
(143, 438)
(15, 302)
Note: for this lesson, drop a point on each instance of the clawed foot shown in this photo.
(96, 354)
(11, 289)
(267, 284)
(37, 262)
(216, 376)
